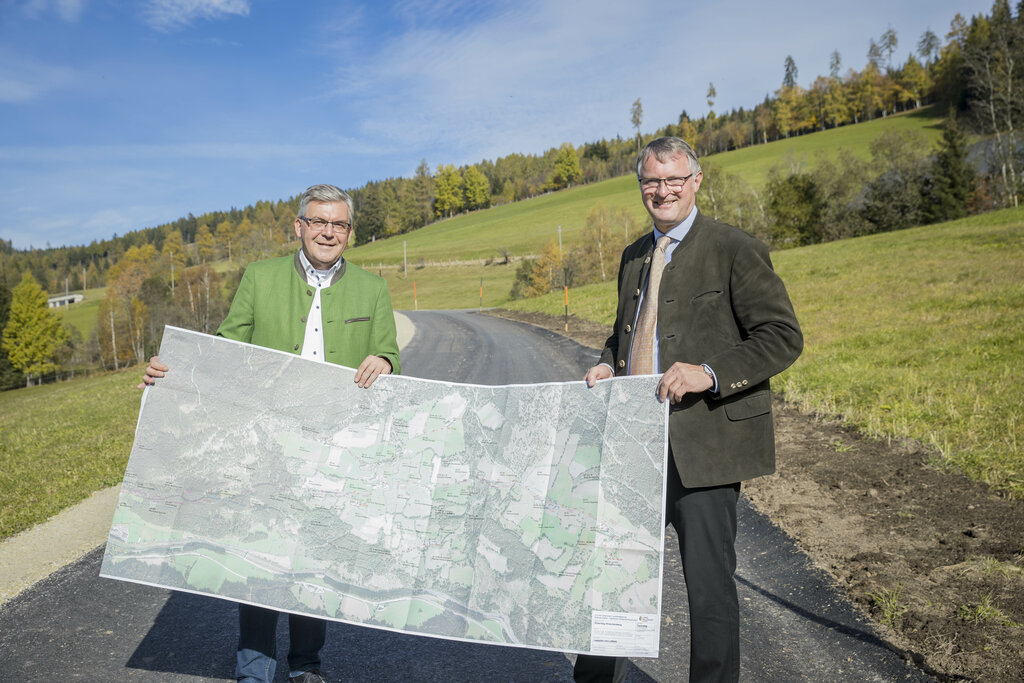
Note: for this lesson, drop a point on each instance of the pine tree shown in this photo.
(9, 377)
(33, 332)
(636, 117)
(951, 180)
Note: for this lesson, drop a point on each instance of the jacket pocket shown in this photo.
(365, 319)
(749, 406)
(704, 297)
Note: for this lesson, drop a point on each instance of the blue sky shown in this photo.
(117, 115)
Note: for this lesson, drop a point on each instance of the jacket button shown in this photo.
(309, 292)
(622, 363)
(629, 329)
(647, 260)
(303, 318)
(637, 293)
(296, 347)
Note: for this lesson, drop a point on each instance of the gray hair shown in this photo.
(665, 149)
(328, 194)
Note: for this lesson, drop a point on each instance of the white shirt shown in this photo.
(313, 342)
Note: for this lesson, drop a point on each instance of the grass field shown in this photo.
(60, 442)
(524, 228)
(917, 333)
(443, 287)
(83, 314)
(753, 163)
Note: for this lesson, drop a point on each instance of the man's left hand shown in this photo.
(682, 379)
(370, 369)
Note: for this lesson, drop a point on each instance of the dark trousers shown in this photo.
(257, 643)
(705, 520)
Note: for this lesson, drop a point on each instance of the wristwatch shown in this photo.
(709, 373)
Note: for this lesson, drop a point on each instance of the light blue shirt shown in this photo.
(677, 233)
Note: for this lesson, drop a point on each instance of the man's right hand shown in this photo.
(155, 369)
(598, 372)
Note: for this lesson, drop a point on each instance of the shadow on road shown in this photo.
(195, 636)
(192, 635)
(839, 628)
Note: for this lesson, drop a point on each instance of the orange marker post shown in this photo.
(415, 301)
(566, 308)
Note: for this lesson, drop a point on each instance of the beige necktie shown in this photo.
(641, 353)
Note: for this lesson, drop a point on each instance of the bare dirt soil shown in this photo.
(935, 559)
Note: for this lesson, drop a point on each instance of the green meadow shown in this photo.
(60, 442)
(523, 228)
(753, 163)
(82, 316)
(917, 333)
(439, 287)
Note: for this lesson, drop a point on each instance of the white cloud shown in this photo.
(67, 10)
(24, 81)
(541, 72)
(167, 15)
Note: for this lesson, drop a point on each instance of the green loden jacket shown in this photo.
(722, 304)
(273, 300)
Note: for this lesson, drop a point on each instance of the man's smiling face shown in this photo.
(323, 247)
(669, 207)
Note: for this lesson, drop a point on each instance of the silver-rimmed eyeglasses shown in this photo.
(321, 224)
(672, 184)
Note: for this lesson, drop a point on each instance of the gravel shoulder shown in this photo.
(936, 560)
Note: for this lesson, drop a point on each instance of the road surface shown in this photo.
(796, 624)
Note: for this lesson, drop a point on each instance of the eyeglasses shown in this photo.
(672, 184)
(321, 224)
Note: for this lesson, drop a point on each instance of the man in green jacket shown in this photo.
(700, 303)
(317, 305)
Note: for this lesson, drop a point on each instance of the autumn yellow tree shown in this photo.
(205, 244)
(605, 234)
(225, 235)
(199, 299)
(33, 333)
(174, 253)
(121, 320)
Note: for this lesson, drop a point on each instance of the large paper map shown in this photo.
(527, 515)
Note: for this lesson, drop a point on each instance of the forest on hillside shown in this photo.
(163, 274)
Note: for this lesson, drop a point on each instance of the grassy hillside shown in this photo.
(442, 287)
(753, 163)
(60, 442)
(522, 228)
(916, 333)
(83, 314)
(525, 227)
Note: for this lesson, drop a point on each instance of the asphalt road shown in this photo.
(796, 624)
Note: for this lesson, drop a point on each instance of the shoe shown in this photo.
(312, 676)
